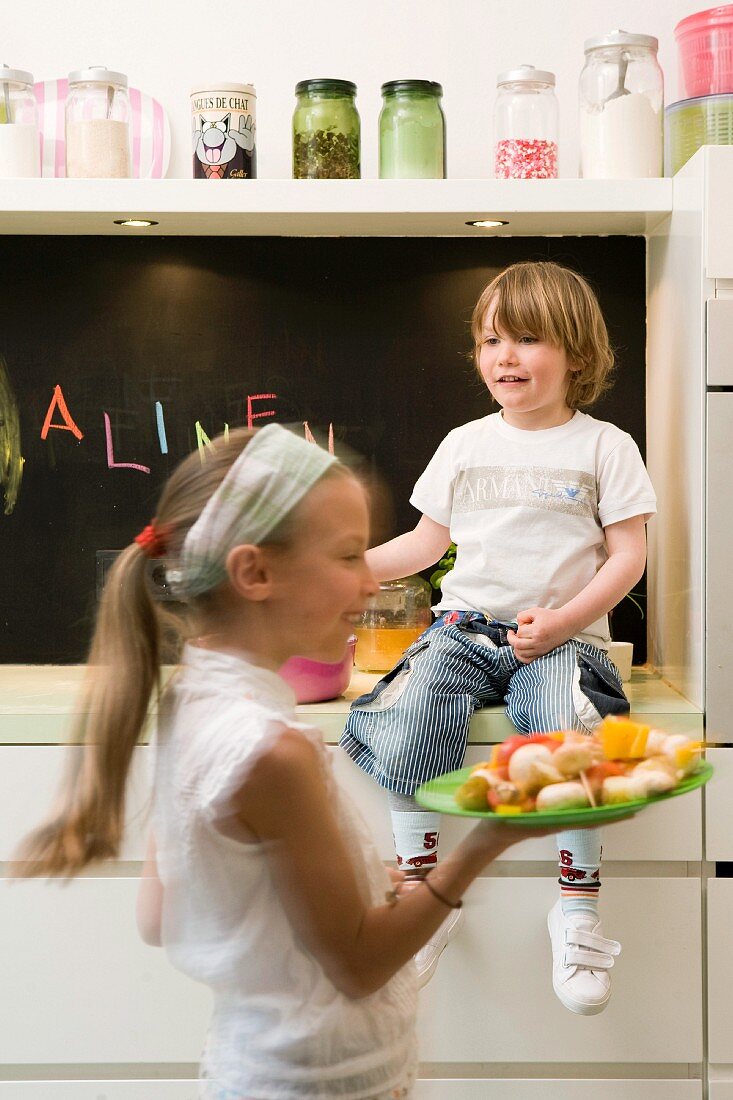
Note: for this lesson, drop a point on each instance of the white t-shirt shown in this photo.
(280, 1028)
(527, 511)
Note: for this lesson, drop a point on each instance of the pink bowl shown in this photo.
(316, 681)
(705, 44)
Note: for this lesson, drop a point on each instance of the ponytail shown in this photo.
(122, 673)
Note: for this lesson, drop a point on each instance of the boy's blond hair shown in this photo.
(556, 305)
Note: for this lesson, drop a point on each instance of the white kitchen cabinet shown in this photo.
(719, 807)
(670, 831)
(719, 341)
(442, 1089)
(720, 970)
(99, 1090)
(80, 988)
(558, 1089)
(491, 999)
(719, 575)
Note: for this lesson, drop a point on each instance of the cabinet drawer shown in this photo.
(556, 1089)
(492, 999)
(720, 972)
(719, 575)
(719, 341)
(669, 831)
(29, 776)
(79, 986)
(99, 1090)
(719, 807)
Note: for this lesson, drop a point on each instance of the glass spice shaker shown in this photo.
(621, 100)
(525, 124)
(20, 150)
(326, 131)
(97, 125)
(395, 617)
(411, 131)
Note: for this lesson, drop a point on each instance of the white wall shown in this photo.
(165, 46)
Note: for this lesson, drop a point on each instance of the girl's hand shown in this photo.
(540, 630)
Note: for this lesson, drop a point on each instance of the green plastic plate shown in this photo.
(439, 794)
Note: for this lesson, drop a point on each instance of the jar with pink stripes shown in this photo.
(525, 124)
(98, 125)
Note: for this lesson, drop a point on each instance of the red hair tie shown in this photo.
(153, 540)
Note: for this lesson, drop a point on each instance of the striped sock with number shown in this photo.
(579, 853)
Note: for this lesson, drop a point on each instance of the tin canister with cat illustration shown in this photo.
(224, 132)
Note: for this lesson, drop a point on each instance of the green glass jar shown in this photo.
(411, 131)
(326, 131)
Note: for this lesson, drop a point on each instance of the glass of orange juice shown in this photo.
(394, 619)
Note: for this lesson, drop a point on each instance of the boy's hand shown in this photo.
(540, 630)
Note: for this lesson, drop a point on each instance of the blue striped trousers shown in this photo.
(413, 725)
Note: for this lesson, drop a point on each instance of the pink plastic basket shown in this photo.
(705, 44)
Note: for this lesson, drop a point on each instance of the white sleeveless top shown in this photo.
(280, 1028)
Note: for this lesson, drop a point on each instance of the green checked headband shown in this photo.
(273, 473)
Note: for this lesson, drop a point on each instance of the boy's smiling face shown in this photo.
(528, 377)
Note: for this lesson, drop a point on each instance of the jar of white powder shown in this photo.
(98, 125)
(621, 98)
(20, 149)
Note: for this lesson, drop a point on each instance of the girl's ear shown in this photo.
(249, 572)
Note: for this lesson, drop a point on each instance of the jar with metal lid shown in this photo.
(525, 124)
(20, 149)
(411, 131)
(621, 102)
(395, 617)
(97, 125)
(326, 131)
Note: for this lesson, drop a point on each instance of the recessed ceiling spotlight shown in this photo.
(135, 223)
(487, 224)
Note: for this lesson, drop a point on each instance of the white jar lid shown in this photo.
(17, 76)
(245, 89)
(526, 74)
(621, 38)
(99, 75)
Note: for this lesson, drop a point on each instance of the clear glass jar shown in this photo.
(20, 147)
(393, 620)
(326, 131)
(621, 103)
(411, 131)
(97, 125)
(525, 125)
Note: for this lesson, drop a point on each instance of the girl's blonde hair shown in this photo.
(556, 305)
(123, 673)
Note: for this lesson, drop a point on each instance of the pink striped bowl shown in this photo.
(150, 131)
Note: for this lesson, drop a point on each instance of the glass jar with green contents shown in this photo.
(411, 131)
(326, 131)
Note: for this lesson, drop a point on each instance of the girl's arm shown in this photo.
(411, 552)
(284, 801)
(149, 911)
(542, 629)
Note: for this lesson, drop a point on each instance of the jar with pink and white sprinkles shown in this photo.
(525, 125)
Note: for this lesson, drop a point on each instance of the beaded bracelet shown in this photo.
(434, 892)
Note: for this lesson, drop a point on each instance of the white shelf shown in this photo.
(372, 208)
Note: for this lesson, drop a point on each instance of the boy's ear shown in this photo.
(249, 572)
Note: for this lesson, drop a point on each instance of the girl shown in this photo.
(262, 882)
(548, 509)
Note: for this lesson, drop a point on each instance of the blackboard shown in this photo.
(369, 335)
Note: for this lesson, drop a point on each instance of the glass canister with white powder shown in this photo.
(98, 125)
(621, 101)
(20, 151)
